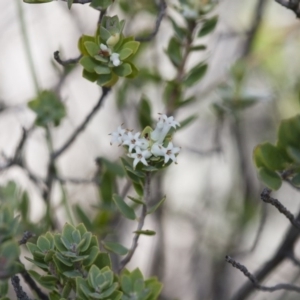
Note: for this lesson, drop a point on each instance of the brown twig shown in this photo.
(266, 197)
(31, 283)
(82, 126)
(293, 5)
(79, 1)
(21, 295)
(252, 278)
(26, 236)
(66, 62)
(140, 225)
(160, 16)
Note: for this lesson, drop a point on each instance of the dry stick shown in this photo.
(259, 231)
(266, 197)
(286, 246)
(66, 62)
(160, 16)
(79, 1)
(140, 225)
(252, 278)
(293, 5)
(82, 126)
(21, 295)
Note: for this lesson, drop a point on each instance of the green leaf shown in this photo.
(113, 167)
(104, 79)
(198, 48)
(43, 244)
(195, 74)
(174, 51)
(92, 255)
(156, 206)
(137, 201)
(101, 4)
(145, 112)
(271, 157)
(88, 63)
(81, 215)
(48, 108)
(92, 48)
(296, 180)
(138, 188)
(126, 284)
(82, 40)
(107, 187)
(104, 34)
(181, 32)
(145, 232)
(294, 153)
(102, 70)
(115, 248)
(132, 45)
(270, 178)
(123, 70)
(125, 53)
(102, 260)
(208, 26)
(126, 210)
(70, 2)
(184, 123)
(89, 76)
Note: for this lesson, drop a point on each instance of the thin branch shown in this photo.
(64, 180)
(285, 247)
(66, 62)
(259, 231)
(266, 197)
(82, 126)
(79, 1)
(21, 295)
(293, 5)
(140, 225)
(160, 16)
(26, 236)
(31, 283)
(252, 278)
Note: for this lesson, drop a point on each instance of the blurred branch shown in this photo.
(256, 22)
(160, 16)
(21, 295)
(286, 246)
(81, 127)
(140, 225)
(64, 180)
(293, 5)
(31, 283)
(277, 287)
(66, 62)
(266, 197)
(79, 1)
(258, 232)
(26, 236)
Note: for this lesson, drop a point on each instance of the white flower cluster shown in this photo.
(114, 57)
(141, 149)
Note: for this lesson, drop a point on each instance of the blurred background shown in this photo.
(213, 205)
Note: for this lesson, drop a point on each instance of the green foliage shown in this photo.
(282, 158)
(48, 108)
(134, 286)
(208, 26)
(108, 55)
(37, 1)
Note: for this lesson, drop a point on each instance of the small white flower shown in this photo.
(140, 156)
(170, 152)
(163, 126)
(114, 58)
(144, 143)
(157, 150)
(132, 141)
(118, 136)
